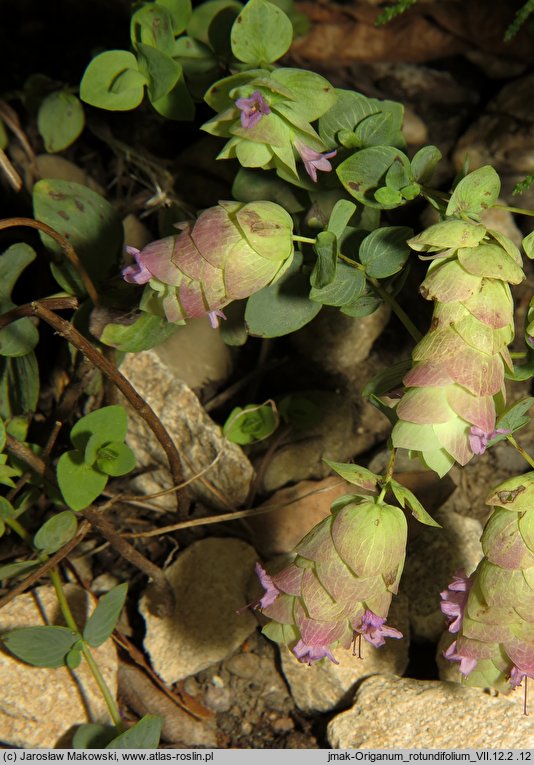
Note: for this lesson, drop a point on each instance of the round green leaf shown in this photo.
(79, 483)
(113, 81)
(88, 221)
(261, 34)
(18, 569)
(74, 658)
(93, 736)
(282, 307)
(146, 332)
(363, 175)
(110, 423)
(385, 250)
(251, 424)
(476, 192)
(56, 532)
(161, 70)
(143, 735)
(115, 459)
(346, 286)
(180, 13)
(152, 25)
(60, 120)
(41, 646)
(104, 618)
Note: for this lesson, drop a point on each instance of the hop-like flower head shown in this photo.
(230, 252)
(492, 611)
(447, 413)
(341, 582)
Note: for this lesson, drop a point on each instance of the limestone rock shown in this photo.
(401, 713)
(40, 706)
(433, 556)
(209, 580)
(346, 428)
(202, 446)
(325, 686)
(300, 507)
(54, 166)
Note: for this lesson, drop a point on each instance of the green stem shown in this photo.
(305, 239)
(88, 656)
(521, 451)
(397, 309)
(518, 210)
(15, 526)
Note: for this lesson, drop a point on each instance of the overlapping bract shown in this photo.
(494, 620)
(448, 412)
(341, 582)
(267, 115)
(230, 252)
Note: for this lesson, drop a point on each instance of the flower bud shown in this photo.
(230, 252)
(341, 582)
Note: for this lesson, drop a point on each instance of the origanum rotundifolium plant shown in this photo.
(306, 225)
(319, 169)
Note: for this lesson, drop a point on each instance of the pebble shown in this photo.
(244, 665)
(218, 699)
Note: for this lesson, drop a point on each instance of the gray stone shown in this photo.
(40, 706)
(347, 428)
(244, 665)
(400, 713)
(434, 555)
(339, 343)
(209, 580)
(226, 471)
(325, 686)
(196, 354)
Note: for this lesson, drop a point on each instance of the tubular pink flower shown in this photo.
(214, 317)
(517, 676)
(307, 654)
(373, 630)
(252, 109)
(454, 599)
(467, 664)
(137, 273)
(314, 160)
(479, 439)
(271, 591)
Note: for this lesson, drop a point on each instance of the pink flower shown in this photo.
(478, 438)
(271, 591)
(252, 109)
(307, 654)
(467, 664)
(314, 160)
(137, 273)
(454, 599)
(517, 676)
(373, 630)
(214, 317)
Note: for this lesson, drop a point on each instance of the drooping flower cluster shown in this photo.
(448, 412)
(267, 116)
(492, 611)
(341, 583)
(231, 251)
